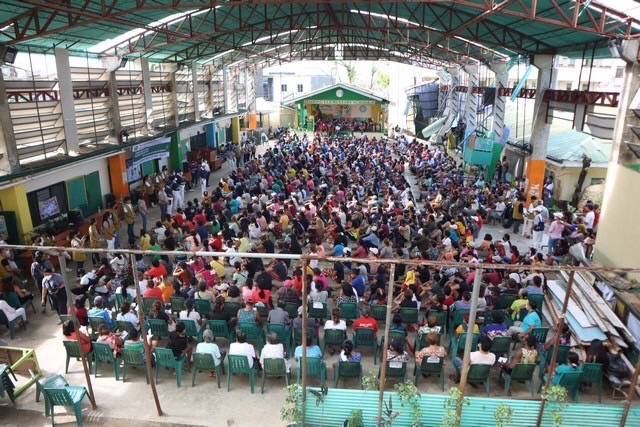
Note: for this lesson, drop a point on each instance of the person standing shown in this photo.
(177, 196)
(144, 212)
(129, 217)
(518, 214)
(163, 202)
(77, 242)
(202, 173)
(108, 231)
(538, 228)
(529, 214)
(115, 221)
(94, 241)
(555, 231)
(53, 286)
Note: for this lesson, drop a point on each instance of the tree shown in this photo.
(351, 71)
(586, 163)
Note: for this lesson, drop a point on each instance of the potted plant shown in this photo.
(503, 415)
(451, 417)
(291, 410)
(409, 395)
(355, 419)
(320, 396)
(556, 395)
(356, 416)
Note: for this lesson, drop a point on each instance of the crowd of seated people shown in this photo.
(348, 197)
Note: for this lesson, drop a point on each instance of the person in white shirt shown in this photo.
(12, 313)
(273, 350)
(207, 346)
(481, 357)
(242, 347)
(589, 217)
(190, 314)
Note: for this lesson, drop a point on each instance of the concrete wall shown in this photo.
(567, 177)
(70, 172)
(618, 241)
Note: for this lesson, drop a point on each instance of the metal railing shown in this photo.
(305, 259)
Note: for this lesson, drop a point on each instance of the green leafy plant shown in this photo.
(409, 395)
(371, 381)
(455, 399)
(291, 411)
(556, 395)
(388, 415)
(355, 418)
(503, 415)
(320, 395)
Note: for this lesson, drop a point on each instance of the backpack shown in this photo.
(538, 226)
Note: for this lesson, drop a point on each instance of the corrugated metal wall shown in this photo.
(338, 403)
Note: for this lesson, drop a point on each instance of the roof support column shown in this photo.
(623, 176)
(65, 88)
(116, 126)
(540, 129)
(453, 103)
(451, 108)
(226, 89)
(194, 80)
(502, 81)
(471, 105)
(173, 99)
(9, 161)
(148, 97)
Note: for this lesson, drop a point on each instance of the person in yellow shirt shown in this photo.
(218, 266)
(115, 220)
(464, 327)
(519, 304)
(145, 240)
(129, 217)
(94, 241)
(284, 221)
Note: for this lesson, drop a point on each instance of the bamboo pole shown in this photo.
(632, 391)
(143, 334)
(305, 263)
(556, 340)
(83, 355)
(467, 346)
(387, 325)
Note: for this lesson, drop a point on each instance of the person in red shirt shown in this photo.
(297, 281)
(365, 320)
(157, 270)
(153, 290)
(216, 243)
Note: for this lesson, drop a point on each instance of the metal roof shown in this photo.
(356, 89)
(270, 31)
(568, 147)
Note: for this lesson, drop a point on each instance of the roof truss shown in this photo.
(454, 31)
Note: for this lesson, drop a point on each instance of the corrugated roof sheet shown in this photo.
(571, 145)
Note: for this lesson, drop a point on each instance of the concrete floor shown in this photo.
(204, 404)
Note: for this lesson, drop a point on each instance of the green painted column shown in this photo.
(175, 152)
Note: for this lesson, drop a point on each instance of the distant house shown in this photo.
(564, 160)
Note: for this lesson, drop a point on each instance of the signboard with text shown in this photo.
(150, 150)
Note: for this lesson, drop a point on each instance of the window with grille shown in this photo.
(300, 88)
(283, 88)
